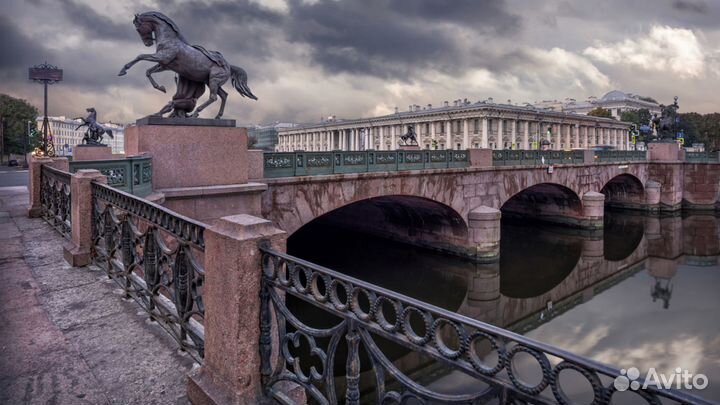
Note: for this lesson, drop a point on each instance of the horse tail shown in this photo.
(109, 132)
(239, 81)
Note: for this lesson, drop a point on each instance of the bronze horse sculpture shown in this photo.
(195, 66)
(95, 131)
(410, 138)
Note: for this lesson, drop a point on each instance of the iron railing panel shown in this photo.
(156, 256)
(366, 311)
(55, 199)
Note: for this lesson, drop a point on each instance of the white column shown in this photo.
(513, 134)
(501, 133)
(466, 134)
(526, 136)
(485, 133)
(576, 136)
(568, 136)
(448, 135)
(369, 139)
(432, 130)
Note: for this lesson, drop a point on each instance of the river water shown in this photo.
(643, 293)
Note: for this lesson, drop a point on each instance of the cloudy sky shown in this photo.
(311, 58)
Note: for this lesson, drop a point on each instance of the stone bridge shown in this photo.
(457, 210)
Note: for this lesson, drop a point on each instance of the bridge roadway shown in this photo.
(66, 334)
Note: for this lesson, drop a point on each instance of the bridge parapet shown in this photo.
(304, 163)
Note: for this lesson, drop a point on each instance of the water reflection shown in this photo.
(643, 293)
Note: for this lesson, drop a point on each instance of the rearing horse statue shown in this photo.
(195, 66)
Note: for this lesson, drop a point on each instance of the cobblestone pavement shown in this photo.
(67, 335)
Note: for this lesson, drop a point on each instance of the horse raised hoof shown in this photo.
(123, 72)
(161, 88)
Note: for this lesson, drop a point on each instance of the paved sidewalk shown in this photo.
(67, 336)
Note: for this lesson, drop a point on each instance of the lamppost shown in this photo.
(46, 74)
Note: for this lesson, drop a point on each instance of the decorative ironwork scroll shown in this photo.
(368, 314)
(156, 256)
(55, 198)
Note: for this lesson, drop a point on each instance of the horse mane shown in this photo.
(162, 17)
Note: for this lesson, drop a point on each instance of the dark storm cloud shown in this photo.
(393, 39)
(485, 16)
(96, 25)
(238, 27)
(18, 51)
(692, 6)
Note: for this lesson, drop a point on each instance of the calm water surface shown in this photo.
(643, 293)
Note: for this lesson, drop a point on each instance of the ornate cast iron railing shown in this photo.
(156, 256)
(55, 198)
(302, 163)
(133, 174)
(366, 312)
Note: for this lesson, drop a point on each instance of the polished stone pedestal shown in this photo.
(92, 152)
(191, 155)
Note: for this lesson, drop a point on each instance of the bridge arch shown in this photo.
(405, 218)
(624, 190)
(551, 202)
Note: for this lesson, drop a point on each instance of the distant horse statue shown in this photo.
(665, 126)
(195, 66)
(95, 131)
(410, 137)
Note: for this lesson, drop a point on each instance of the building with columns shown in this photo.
(463, 125)
(66, 137)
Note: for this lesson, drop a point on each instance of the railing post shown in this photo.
(231, 372)
(77, 252)
(34, 170)
(480, 157)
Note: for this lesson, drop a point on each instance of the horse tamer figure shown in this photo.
(666, 125)
(410, 138)
(95, 131)
(195, 66)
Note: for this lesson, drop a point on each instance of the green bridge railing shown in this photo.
(557, 157)
(701, 157)
(301, 163)
(620, 155)
(132, 175)
(537, 157)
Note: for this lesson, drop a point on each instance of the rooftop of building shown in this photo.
(457, 106)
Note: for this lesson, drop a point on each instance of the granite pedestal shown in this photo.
(92, 152)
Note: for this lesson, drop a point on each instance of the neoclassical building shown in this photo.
(615, 101)
(66, 136)
(461, 126)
